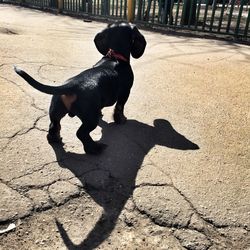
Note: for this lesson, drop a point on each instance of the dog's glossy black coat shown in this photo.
(107, 83)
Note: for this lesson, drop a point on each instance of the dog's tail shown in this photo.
(51, 90)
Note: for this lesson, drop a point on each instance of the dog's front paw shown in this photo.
(95, 148)
(119, 118)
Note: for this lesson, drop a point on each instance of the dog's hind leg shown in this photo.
(119, 116)
(90, 146)
(56, 112)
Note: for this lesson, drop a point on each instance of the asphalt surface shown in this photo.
(175, 176)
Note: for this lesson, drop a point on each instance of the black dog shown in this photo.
(107, 83)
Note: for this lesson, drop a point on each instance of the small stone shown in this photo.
(76, 181)
(196, 223)
(40, 198)
(130, 206)
(163, 204)
(13, 205)
(192, 240)
(61, 191)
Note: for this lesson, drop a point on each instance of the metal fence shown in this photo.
(104, 8)
(228, 18)
(217, 16)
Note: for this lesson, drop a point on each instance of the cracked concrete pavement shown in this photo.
(175, 176)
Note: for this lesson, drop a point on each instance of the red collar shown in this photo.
(112, 54)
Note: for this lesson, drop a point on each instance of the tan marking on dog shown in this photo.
(68, 100)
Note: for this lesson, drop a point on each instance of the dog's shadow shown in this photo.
(128, 146)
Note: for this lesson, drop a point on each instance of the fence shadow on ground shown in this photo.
(129, 144)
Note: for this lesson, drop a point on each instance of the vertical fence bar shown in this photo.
(239, 17)
(83, 8)
(230, 15)
(221, 15)
(247, 24)
(164, 14)
(205, 15)
(183, 14)
(139, 7)
(159, 10)
(213, 14)
(146, 13)
(90, 6)
(125, 9)
(121, 8)
(116, 12)
(130, 5)
(113, 7)
(190, 13)
(94, 7)
(177, 12)
(188, 10)
(171, 12)
(198, 14)
(143, 7)
(153, 18)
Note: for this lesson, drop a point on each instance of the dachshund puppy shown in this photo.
(107, 83)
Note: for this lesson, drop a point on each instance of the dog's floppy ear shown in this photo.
(139, 43)
(101, 41)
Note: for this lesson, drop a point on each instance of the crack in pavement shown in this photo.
(54, 65)
(32, 103)
(210, 233)
(26, 130)
(32, 171)
(151, 185)
(53, 202)
(208, 221)
(208, 228)
(21, 132)
(32, 99)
